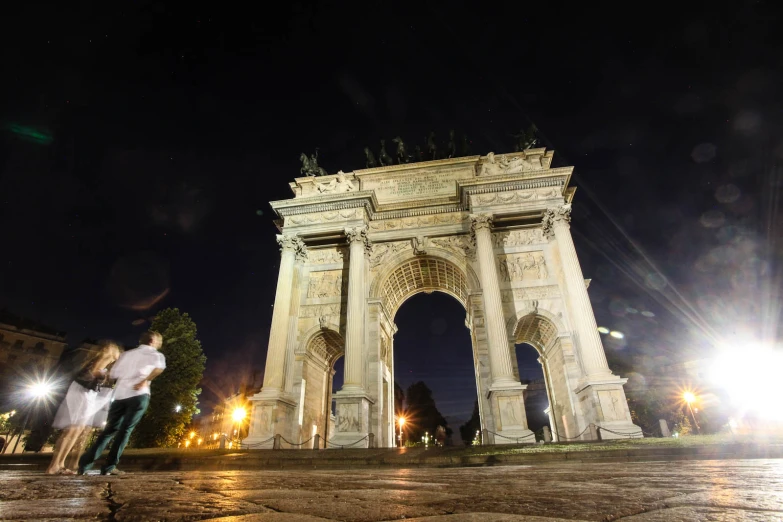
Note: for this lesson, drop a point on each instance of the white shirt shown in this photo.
(132, 367)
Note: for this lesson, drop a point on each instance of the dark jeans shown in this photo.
(124, 415)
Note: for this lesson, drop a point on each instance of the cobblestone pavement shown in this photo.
(650, 491)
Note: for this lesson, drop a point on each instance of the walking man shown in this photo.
(134, 371)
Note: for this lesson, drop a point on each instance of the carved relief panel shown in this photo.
(527, 266)
(518, 196)
(328, 283)
(454, 218)
(325, 256)
(348, 417)
(381, 251)
(532, 236)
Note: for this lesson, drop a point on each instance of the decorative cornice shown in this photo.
(554, 217)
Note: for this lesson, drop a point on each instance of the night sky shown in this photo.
(173, 125)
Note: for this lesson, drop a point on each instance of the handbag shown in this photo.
(103, 400)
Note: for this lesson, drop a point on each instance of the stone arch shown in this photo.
(323, 339)
(410, 274)
(535, 326)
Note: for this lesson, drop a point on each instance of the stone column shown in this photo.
(499, 356)
(557, 224)
(274, 374)
(354, 336)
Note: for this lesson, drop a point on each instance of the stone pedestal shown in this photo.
(272, 413)
(508, 409)
(352, 422)
(603, 403)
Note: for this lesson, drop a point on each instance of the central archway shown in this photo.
(402, 278)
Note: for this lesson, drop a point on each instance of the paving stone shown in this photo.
(711, 514)
(652, 491)
(270, 517)
(350, 510)
(53, 508)
(484, 517)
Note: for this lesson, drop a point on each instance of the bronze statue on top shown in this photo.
(432, 148)
(384, 157)
(369, 158)
(526, 139)
(310, 165)
(451, 147)
(402, 155)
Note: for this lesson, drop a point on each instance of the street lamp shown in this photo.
(178, 408)
(689, 397)
(238, 415)
(37, 391)
(401, 422)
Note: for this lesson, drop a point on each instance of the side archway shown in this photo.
(545, 332)
(320, 348)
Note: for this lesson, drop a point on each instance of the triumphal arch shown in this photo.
(491, 231)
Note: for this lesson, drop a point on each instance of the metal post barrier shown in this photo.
(547, 434)
(594, 433)
(371, 440)
(277, 444)
(222, 441)
(316, 442)
(485, 440)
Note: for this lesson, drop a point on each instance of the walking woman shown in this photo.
(85, 405)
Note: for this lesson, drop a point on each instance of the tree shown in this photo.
(399, 400)
(423, 415)
(163, 425)
(468, 430)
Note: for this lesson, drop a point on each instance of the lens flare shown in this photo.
(750, 376)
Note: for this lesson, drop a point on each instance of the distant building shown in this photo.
(27, 347)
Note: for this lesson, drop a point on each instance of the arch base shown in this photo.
(604, 404)
(352, 422)
(271, 414)
(508, 410)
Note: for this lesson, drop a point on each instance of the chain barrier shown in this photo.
(517, 439)
(292, 444)
(563, 437)
(632, 435)
(341, 446)
(243, 445)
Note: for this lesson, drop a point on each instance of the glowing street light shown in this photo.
(616, 334)
(401, 422)
(689, 397)
(192, 434)
(178, 408)
(38, 390)
(238, 414)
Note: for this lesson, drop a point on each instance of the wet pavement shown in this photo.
(645, 491)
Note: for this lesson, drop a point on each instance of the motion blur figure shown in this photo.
(84, 407)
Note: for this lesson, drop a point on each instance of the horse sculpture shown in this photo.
(310, 165)
(432, 148)
(369, 158)
(402, 155)
(384, 157)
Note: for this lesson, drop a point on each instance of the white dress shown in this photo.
(83, 407)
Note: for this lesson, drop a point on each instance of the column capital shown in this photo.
(359, 234)
(480, 221)
(556, 216)
(292, 242)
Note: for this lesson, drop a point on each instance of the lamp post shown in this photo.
(238, 416)
(401, 422)
(37, 391)
(689, 399)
